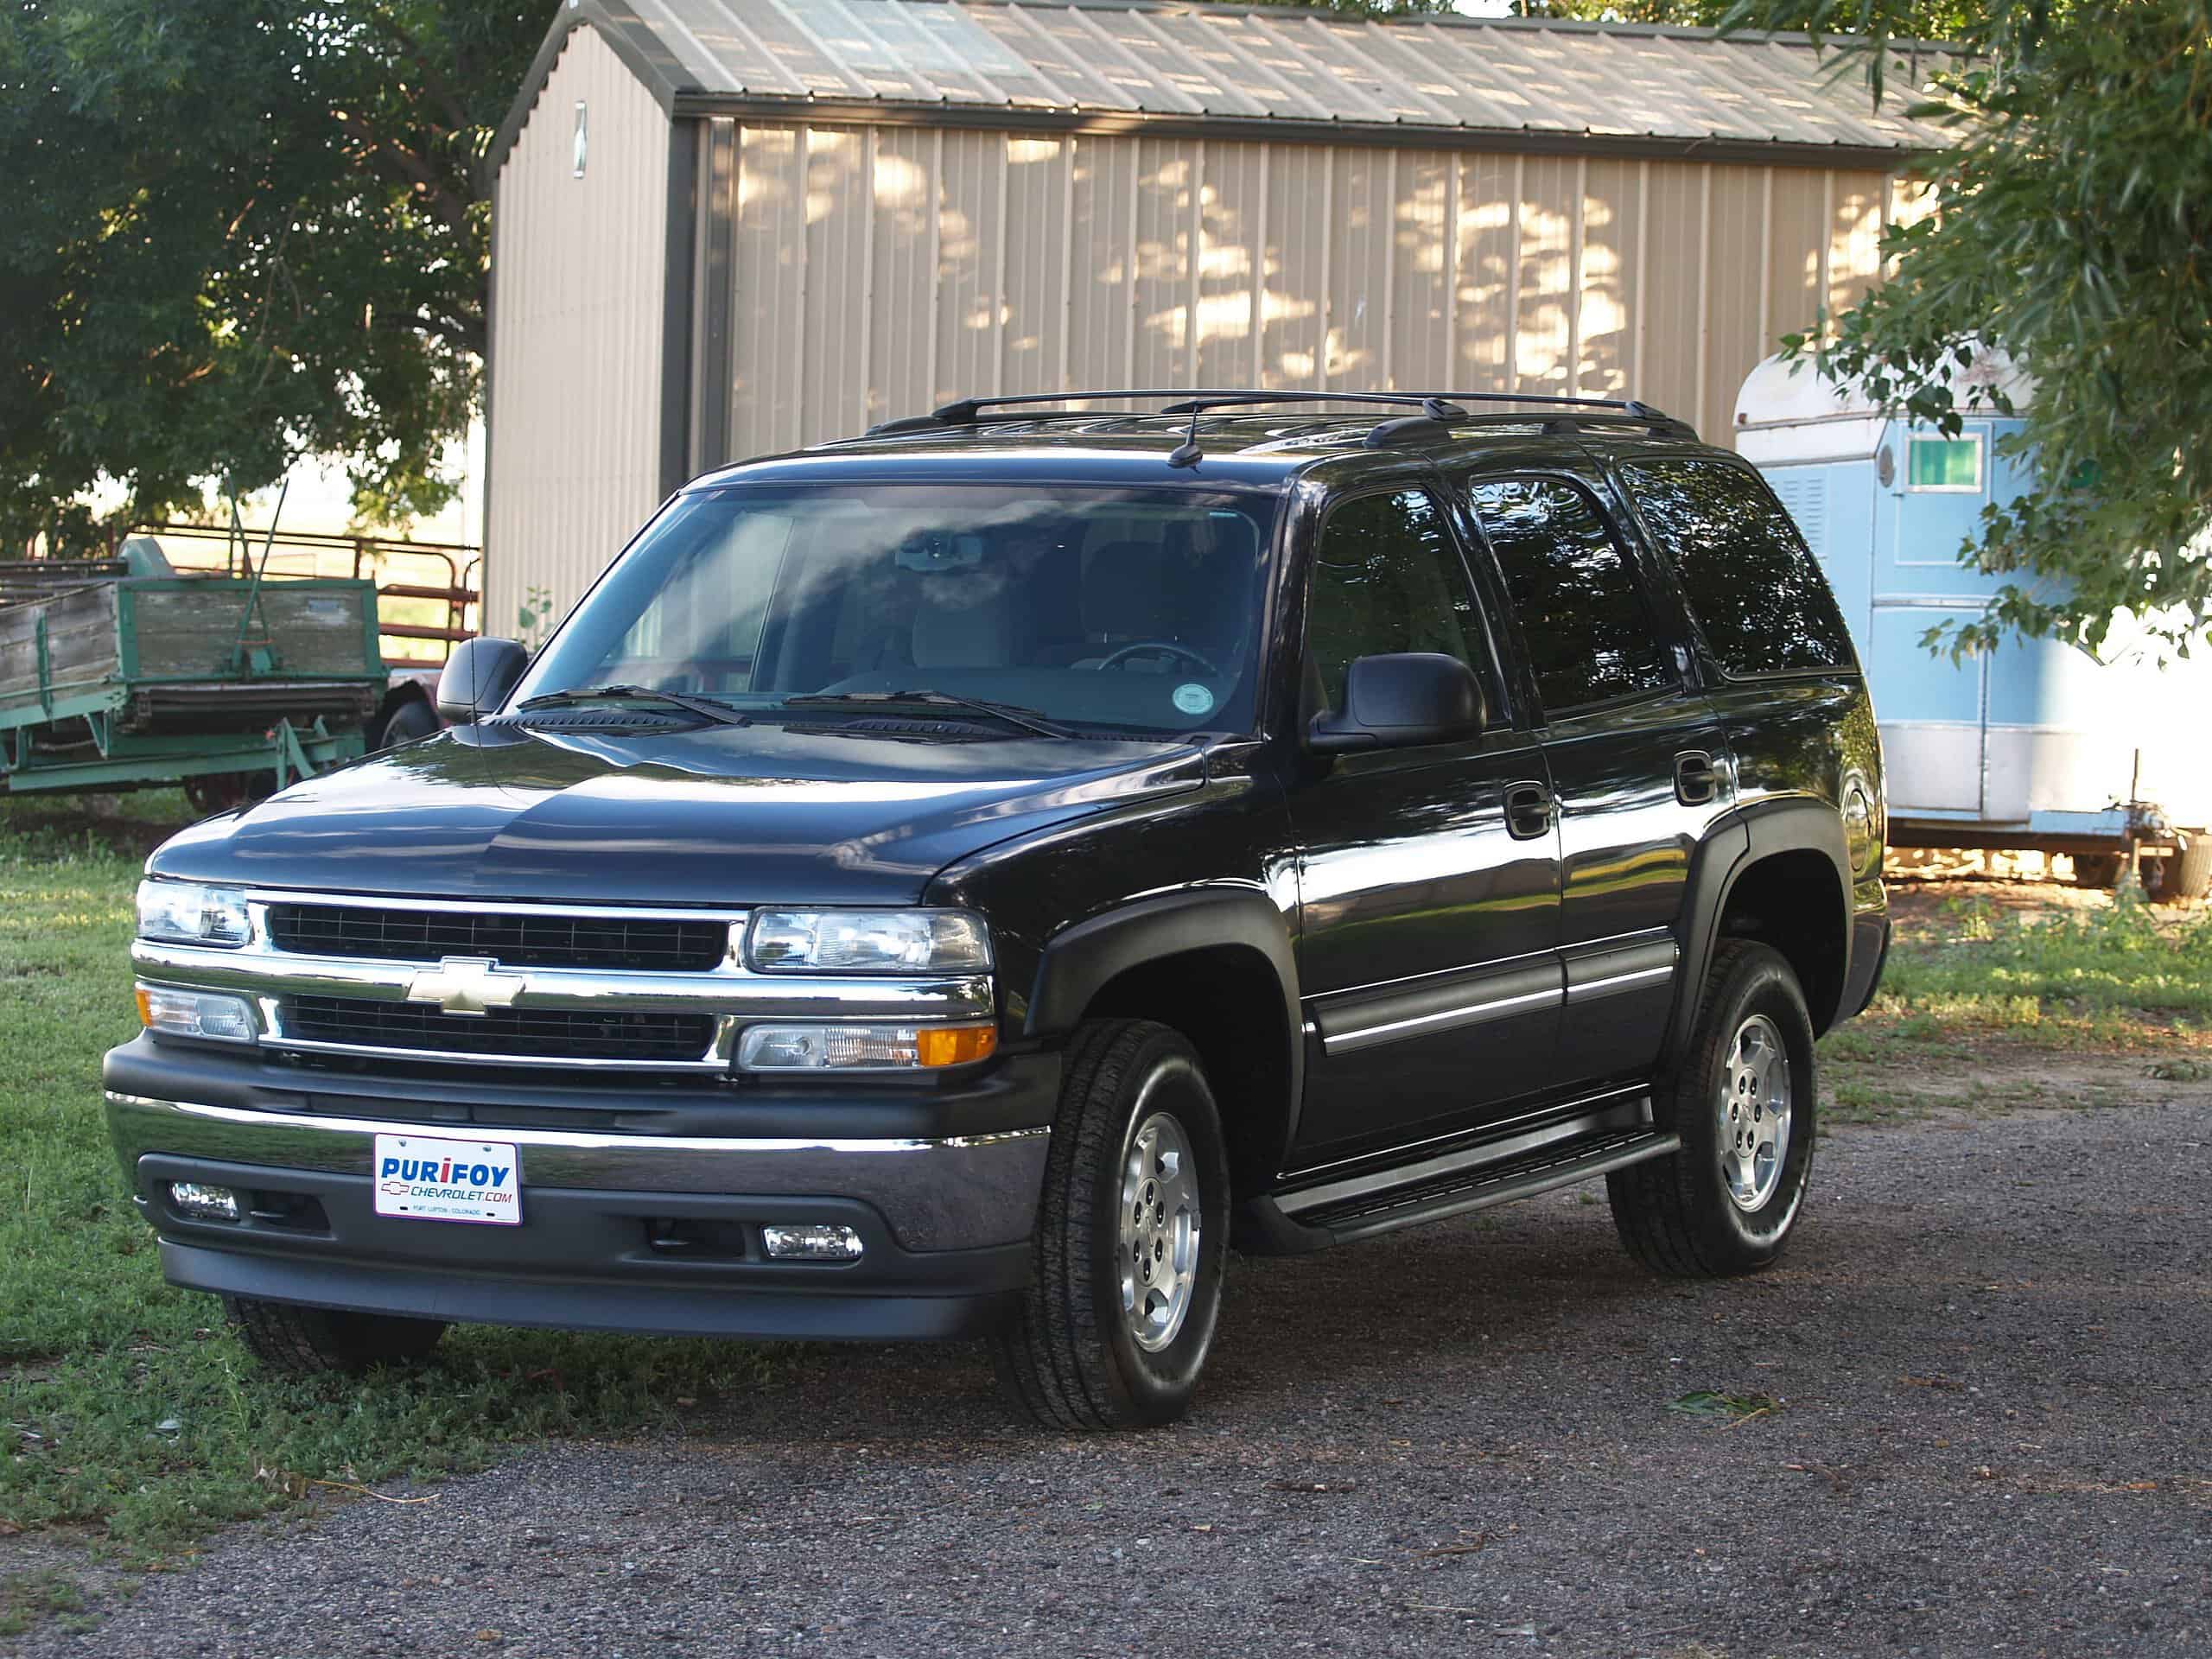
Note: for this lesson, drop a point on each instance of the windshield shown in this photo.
(1101, 608)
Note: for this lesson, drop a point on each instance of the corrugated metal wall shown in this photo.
(876, 271)
(577, 296)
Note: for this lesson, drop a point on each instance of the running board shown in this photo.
(1343, 1216)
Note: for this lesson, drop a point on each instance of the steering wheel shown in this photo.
(1166, 647)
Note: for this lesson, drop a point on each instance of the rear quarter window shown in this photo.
(1750, 581)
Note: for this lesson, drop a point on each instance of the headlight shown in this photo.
(208, 1015)
(863, 1048)
(185, 912)
(868, 942)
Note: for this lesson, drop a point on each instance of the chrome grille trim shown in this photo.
(735, 996)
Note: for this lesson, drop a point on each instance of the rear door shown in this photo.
(1634, 750)
(1428, 877)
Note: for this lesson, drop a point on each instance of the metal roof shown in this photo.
(1249, 72)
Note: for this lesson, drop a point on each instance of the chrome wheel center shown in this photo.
(1158, 1230)
(1754, 1113)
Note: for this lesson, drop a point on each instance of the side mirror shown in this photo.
(477, 678)
(1400, 702)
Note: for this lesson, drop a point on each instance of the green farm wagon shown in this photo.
(120, 674)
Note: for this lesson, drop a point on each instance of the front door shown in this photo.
(1428, 877)
(1637, 755)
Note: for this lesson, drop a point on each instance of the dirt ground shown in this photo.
(1963, 1416)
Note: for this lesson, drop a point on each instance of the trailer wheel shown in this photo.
(2100, 870)
(414, 718)
(2189, 872)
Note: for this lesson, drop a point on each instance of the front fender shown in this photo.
(1081, 960)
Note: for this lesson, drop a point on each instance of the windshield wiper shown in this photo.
(1030, 720)
(706, 709)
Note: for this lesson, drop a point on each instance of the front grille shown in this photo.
(536, 1033)
(658, 944)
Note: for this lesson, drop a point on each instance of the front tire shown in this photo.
(1744, 1104)
(303, 1341)
(1131, 1235)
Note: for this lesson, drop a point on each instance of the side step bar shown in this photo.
(1360, 1214)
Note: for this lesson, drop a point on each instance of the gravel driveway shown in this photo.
(1986, 1352)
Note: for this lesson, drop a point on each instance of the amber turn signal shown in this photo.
(955, 1045)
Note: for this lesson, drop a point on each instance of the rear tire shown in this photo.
(308, 1341)
(1744, 1106)
(1131, 1235)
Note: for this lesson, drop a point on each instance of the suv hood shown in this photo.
(721, 815)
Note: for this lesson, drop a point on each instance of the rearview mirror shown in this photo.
(477, 678)
(1400, 700)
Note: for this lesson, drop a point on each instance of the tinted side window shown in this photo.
(1590, 632)
(1747, 574)
(1386, 578)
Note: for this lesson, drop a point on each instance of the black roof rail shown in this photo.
(1437, 409)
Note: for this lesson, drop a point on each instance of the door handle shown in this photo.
(1697, 780)
(1528, 811)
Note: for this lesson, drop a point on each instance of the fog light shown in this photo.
(195, 1013)
(815, 1242)
(204, 1203)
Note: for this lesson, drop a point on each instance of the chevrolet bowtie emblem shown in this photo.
(466, 985)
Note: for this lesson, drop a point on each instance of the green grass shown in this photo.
(28, 1598)
(1980, 1004)
(136, 1424)
(2122, 974)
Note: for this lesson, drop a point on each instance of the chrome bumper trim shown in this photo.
(956, 1192)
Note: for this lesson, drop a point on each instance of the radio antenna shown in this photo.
(1187, 454)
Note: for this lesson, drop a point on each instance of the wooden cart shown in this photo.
(110, 680)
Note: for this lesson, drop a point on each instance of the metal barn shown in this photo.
(725, 228)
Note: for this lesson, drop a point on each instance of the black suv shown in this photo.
(958, 880)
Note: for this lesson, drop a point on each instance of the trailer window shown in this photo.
(1951, 465)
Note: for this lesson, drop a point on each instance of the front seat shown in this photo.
(963, 620)
(1124, 598)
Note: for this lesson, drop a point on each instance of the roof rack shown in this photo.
(1435, 409)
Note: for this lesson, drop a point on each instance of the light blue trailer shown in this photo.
(2035, 745)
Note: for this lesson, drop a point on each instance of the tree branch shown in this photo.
(398, 161)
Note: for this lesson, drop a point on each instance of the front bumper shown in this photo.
(646, 1233)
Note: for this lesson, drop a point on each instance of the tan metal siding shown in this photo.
(1735, 286)
(876, 273)
(577, 295)
(768, 327)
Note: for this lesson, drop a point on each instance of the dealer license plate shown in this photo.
(423, 1179)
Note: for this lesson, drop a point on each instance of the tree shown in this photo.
(240, 232)
(1923, 19)
(2070, 232)
(1369, 8)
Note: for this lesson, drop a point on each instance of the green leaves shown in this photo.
(2069, 231)
(239, 231)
